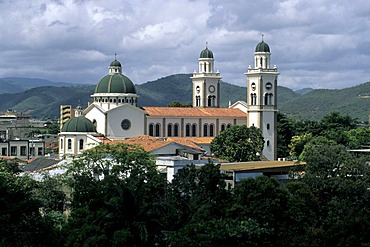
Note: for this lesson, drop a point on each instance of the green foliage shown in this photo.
(315, 141)
(358, 137)
(238, 143)
(297, 143)
(221, 233)
(22, 224)
(285, 132)
(117, 195)
(179, 104)
(197, 193)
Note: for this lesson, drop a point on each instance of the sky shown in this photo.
(316, 43)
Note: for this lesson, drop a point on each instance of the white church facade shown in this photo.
(115, 114)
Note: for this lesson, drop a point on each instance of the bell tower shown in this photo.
(262, 98)
(206, 83)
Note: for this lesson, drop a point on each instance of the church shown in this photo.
(115, 113)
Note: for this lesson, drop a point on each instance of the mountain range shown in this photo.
(42, 98)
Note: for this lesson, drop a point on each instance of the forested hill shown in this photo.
(306, 104)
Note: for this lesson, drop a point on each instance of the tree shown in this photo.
(314, 141)
(340, 182)
(297, 144)
(285, 133)
(238, 143)
(117, 198)
(358, 137)
(22, 224)
(196, 194)
(179, 104)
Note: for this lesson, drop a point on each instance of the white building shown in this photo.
(115, 113)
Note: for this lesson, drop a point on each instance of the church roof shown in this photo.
(194, 112)
(150, 143)
(78, 124)
(206, 53)
(115, 83)
(196, 140)
(262, 47)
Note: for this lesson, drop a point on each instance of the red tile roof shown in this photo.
(149, 143)
(194, 112)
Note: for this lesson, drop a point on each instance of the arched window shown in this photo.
(157, 129)
(69, 144)
(253, 99)
(81, 144)
(187, 131)
(268, 143)
(205, 130)
(268, 126)
(211, 130)
(169, 130)
(197, 100)
(268, 99)
(223, 127)
(151, 129)
(176, 130)
(211, 100)
(61, 143)
(228, 125)
(194, 130)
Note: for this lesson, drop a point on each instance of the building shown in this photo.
(23, 149)
(115, 114)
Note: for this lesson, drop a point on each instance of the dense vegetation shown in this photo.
(306, 104)
(114, 196)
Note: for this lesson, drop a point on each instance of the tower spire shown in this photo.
(262, 37)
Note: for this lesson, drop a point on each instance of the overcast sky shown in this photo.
(315, 43)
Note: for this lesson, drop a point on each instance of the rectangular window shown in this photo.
(39, 151)
(13, 151)
(4, 151)
(23, 150)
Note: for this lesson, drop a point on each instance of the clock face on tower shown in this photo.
(211, 89)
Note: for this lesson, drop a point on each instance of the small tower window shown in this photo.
(197, 100)
(81, 144)
(268, 126)
(69, 144)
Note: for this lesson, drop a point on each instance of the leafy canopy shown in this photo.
(238, 144)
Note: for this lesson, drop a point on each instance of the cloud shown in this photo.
(319, 44)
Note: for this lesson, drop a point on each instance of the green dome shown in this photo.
(116, 63)
(262, 47)
(206, 53)
(78, 124)
(115, 83)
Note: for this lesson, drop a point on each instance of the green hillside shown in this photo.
(313, 104)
